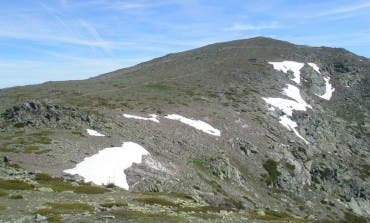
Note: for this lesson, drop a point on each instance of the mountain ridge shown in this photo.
(257, 164)
(252, 40)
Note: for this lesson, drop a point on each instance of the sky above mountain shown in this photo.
(63, 39)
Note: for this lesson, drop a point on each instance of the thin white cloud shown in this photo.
(54, 38)
(326, 11)
(131, 6)
(343, 9)
(124, 5)
(246, 27)
(95, 34)
(22, 72)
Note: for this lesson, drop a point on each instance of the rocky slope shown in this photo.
(293, 140)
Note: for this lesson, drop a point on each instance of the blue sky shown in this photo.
(43, 40)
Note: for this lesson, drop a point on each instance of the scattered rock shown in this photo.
(45, 189)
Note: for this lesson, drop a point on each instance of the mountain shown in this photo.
(250, 130)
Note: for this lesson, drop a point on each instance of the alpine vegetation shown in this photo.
(253, 130)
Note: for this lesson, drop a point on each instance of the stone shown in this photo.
(45, 189)
(40, 218)
(261, 213)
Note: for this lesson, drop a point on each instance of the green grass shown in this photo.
(200, 165)
(178, 207)
(113, 204)
(177, 195)
(156, 201)
(20, 125)
(22, 141)
(15, 185)
(274, 216)
(15, 166)
(43, 177)
(59, 185)
(31, 149)
(39, 152)
(3, 193)
(142, 217)
(78, 133)
(271, 168)
(56, 209)
(16, 196)
(70, 208)
(89, 189)
(291, 167)
(350, 217)
(200, 209)
(6, 150)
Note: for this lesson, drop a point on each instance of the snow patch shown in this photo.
(328, 90)
(286, 66)
(108, 165)
(93, 132)
(287, 105)
(315, 67)
(291, 125)
(294, 93)
(197, 124)
(152, 117)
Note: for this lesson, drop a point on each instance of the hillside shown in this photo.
(256, 129)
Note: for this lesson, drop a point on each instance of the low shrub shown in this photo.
(16, 196)
(15, 185)
(3, 193)
(156, 200)
(89, 189)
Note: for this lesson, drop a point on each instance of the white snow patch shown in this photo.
(328, 90)
(291, 125)
(108, 165)
(198, 124)
(293, 66)
(315, 67)
(93, 132)
(287, 105)
(152, 117)
(293, 92)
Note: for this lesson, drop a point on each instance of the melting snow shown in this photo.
(293, 92)
(108, 165)
(291, 125)
(328, 90)
(93, 132)
(153, 117)
(198, 124)
(287, 105)
(293, 66)
(315, 67)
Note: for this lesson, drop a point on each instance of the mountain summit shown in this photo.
(256, 129)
